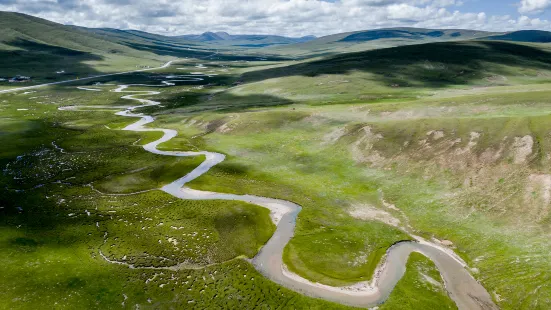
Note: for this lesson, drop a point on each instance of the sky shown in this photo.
(289, 17)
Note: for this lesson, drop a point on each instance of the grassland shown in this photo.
(56, 227)
(64, 215)
(456, 159)
(50, 52)
(458, 187)
(460, 158)
(421, 288)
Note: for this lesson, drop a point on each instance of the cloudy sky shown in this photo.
(289, 17)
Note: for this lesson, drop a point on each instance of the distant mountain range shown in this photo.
(253, 40)
(536, 36)
(391, 37)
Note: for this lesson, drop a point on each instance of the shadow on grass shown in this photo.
(373, 35)
(177, 51)
(177, 100)
(39, 60)
(427, 65)
(228, 103)
(157, 39)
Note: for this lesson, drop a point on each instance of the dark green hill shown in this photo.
(48, 51)
(18, 27)
(536, 36)
(425, 65)
(411, 34)
(157, 44)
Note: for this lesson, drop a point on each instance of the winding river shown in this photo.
(460, 285)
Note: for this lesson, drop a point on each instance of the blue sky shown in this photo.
(289, 17)
(496, 7)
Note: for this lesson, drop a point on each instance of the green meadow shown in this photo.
(375, 146)
(59, 216)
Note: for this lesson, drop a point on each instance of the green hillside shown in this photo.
(20, 27)
(406, 71)
(39, 48)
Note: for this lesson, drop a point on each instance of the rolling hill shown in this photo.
(440, 63)
(30, 42)
(20, 31)
(49, 51)
(401, 72)
(375, 39)
(39, 48)
(412, 34)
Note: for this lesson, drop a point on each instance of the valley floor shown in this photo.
(464, 167)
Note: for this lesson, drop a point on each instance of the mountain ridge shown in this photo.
(210, 36)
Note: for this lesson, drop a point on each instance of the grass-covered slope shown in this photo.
(16, 26)
(39, 48)
(423, 65)
(401, 72)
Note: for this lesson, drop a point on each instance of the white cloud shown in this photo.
(525, 22)
(286, 17)
(533, 6)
